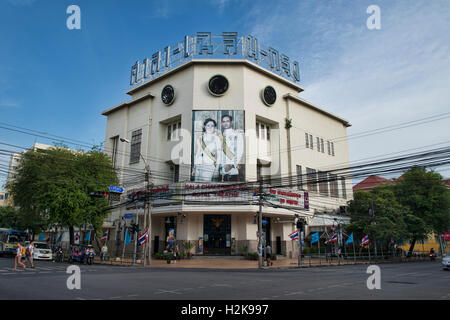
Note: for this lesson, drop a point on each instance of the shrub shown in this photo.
(252, 256)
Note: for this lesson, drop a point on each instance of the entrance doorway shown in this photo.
(217, 234)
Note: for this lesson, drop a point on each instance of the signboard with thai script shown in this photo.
(215, 192)
(288, 198)
(204, 45)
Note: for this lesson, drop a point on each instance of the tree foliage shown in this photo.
(53, 186)
(416, 206)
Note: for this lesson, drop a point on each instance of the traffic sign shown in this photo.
(128, 216)
(115, 189)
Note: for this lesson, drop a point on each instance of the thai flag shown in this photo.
(104, 236)
(142, 239)
(365, 240)
(294, 235)
(333, 238)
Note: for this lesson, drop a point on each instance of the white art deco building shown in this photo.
(212, 116)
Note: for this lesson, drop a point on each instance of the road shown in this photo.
(48, 281)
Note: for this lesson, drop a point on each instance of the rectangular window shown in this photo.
(318, 143)
(321, 143)
(323, 183)
(114, 145)
(268, 132)
(332, 148)
(307, 140)
(1, 197)
(258, 172)
(334, 192)
(299, 178)
(135, 146)
(176, 173)
(262, 132)
(169, 132)
(311, 144)
(173, 131)
(257, 130)
(344, 190)
(311, 179)
(329, 148)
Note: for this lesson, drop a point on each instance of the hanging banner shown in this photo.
(288, 198)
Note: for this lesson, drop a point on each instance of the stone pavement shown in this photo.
(237, 262)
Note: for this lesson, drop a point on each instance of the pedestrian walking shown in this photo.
(269, 255)
(20, 252)
(29, 253)
(104, 252)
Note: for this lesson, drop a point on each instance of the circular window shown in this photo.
(168, 94)
(218, 85)
(269, 95)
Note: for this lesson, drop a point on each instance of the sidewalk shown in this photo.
(237, 262)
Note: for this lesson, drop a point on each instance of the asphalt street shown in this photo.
(48, 281)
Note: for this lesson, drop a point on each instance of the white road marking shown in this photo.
(168, 291)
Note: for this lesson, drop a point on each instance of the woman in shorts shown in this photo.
(18, 258)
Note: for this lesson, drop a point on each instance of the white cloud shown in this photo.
(8, 103)
(374, 78)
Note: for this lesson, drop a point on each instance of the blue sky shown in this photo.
(58, 81)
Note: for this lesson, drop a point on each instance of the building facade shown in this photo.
(209, 131)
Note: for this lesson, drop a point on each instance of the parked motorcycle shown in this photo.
(59, 255)
(90, 253)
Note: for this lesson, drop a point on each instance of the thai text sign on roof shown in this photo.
(204, 45)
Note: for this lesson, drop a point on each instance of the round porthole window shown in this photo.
(168, 95)
(218, 85)
(269, 95)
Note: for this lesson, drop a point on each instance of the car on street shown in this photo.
(42, 251)
(446, 261)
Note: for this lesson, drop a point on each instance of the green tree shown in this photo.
(8, 218)
(426, 196)
(388, 220)
(53, 186)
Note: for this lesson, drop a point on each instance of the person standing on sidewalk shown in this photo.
(269, 255)
(104, 252)
(29, 253)
(18, 259)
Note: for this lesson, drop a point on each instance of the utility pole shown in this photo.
(135, 229)
(374, 238)
(299, 226)
(147, 217)
(260, 256)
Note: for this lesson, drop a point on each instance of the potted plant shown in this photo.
(170, 258)
(188, 246)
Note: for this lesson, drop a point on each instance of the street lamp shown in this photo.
(147, 249)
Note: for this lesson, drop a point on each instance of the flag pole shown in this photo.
(124, 240)
(320, 257)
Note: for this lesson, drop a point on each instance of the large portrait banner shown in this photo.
(218, 146)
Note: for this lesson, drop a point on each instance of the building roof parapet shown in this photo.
(317, 108)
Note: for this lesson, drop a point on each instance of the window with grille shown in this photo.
(323, 183)
(136, 137)
(334, 191)
(114, 145)
(311, 179)
(344, 190)
(299, 178)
